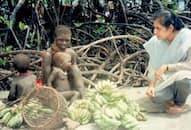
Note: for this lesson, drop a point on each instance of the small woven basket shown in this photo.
(53, 100)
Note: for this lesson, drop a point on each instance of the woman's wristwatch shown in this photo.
(167, 68)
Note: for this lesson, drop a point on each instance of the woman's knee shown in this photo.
(181, 91)
(183, 85)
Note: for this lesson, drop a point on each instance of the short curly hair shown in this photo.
(62, 29)
(21, 63)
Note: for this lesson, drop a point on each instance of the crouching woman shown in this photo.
(169, 62)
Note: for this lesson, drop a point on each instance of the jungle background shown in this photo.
(106, 34)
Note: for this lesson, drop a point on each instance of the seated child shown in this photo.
(23, 83)
(58, 78)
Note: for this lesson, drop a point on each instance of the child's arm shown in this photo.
(73, 56)
(52, 77)
(46, 65)
(13, 92)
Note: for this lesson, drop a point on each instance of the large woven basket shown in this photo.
(53, 100)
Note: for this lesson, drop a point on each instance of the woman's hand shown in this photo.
(158, 76)
(151, 89)
(159, 72)
(151, 92)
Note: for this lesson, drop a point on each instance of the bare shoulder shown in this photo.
(30, 78)
(33, 76)
(71, 51)
(46, 55)
(56, 69)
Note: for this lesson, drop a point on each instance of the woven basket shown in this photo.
(52, 99)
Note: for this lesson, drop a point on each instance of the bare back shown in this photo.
(21, 86)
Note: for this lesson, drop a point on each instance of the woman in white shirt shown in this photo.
(170, 61)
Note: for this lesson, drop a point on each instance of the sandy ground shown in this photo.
(161, 121)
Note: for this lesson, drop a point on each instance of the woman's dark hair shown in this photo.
(167, 18)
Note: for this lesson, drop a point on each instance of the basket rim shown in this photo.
(52, 117)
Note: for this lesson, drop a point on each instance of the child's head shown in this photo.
(63, 37)
(62, 29)
(62, 60)
(21, 63)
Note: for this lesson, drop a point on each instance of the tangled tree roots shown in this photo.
(119, 58)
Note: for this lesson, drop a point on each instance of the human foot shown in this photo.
(178, 108)
(70, 124)
(169, 104)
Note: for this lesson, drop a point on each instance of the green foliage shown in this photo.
(4, 61)
(100, 19)
(66, 2)
(100, 30)
(45, 1)
(172, 4)
(6, 49)
(4, 20)
(78, 24)
(167, 2)
(23, 26)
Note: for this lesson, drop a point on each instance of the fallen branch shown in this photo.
(20, 51)
(110, 38)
